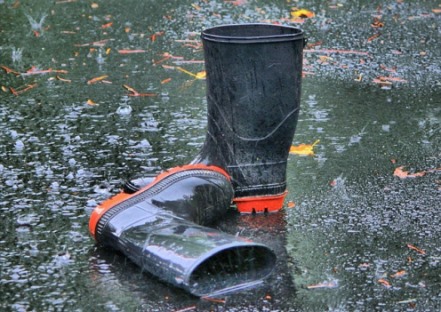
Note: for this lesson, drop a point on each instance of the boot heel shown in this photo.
(260, 204)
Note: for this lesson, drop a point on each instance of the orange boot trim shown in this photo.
(260, 204)
(102, 208)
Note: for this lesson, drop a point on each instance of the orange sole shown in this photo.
(260, 204)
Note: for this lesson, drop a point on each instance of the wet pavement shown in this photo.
(106, 99)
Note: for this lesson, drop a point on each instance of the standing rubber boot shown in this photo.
(161, 228)
(253, 93)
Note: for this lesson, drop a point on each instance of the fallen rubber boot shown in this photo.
(161, 228)
(253, 93)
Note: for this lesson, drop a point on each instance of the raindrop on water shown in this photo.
(124, 110)
(19, 145)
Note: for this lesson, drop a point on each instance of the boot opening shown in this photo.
(232, 269)
(254, 32)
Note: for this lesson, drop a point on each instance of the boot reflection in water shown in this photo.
(253, 91)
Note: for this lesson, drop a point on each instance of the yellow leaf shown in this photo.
(201, 75)
(303, 149)
(90, 102)
(302, 13)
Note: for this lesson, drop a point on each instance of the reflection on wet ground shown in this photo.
(358, 237)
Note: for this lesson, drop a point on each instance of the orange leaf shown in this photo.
(131, 51)
(107, 25)
(9, 70)
(377, 23)
(373, 37)
(384, 282)
(391, 79)
(22, 89)
(399, 274)
(166, 81)
(237, 2)
(303, 149)
(436, 11)
(136, 93)
(402, 174)
(90, 102)
(418, 250)
(331, 284)
(96, 79)
(291, 204)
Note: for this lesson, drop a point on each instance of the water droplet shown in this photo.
(124, 110)
(72, 162)
(19, 145)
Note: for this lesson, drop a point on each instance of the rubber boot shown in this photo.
(253, 94)
(161, 228)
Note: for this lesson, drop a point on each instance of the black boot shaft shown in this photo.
(253, 93)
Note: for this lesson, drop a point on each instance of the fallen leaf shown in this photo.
(96, 79)
(187, 309)
(237, 2)
(63, 79)
(216, 300)
(155, 35)
(418, 250)
(166, 81)
(133, 92)
(377, 23)
(302, 13)
(90, 102)
(402, 174)
(329, 284)
(373, 37)
(199, 75)
(35, 71)
(436, 11)
(391, 79)
(384, 282)
(9, 70)
(131, 51)
(399, 274)
(337, 51)
(100, 43)
(22, 89)
(107, 25)
(303, 149)
(291, 204)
